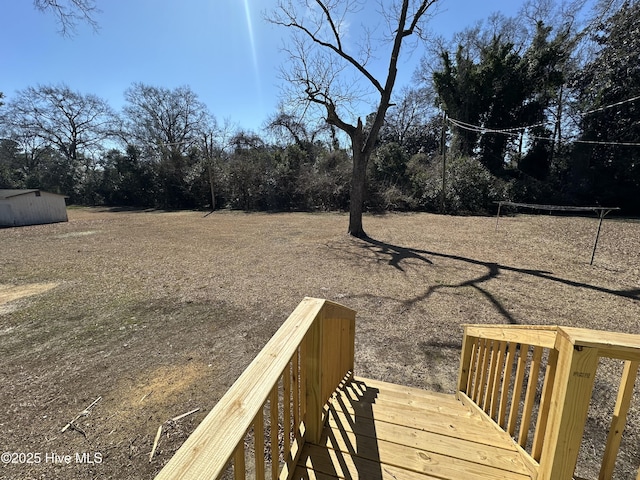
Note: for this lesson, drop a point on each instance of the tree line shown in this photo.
(535, 108)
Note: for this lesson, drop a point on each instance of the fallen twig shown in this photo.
(145, 396)
(83, 413)
(175, 419)
(155, 444)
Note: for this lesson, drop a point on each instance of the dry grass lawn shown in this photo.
(158, 313)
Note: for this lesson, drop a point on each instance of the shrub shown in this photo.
(470, 187)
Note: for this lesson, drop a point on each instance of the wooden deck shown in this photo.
(376, 430)
(519, 412)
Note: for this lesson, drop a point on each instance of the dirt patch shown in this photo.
(160, 386)
(13, 293)
(160, 312)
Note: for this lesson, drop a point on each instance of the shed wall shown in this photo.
(29, 209)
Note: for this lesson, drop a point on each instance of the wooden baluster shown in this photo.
(273, 424)
(506, 382)
(258, 434)
(619, 419)
(483, 373)
(303, 382)
(467, 363)
(545, 405)
(296, 391)
(477, 388)
(238, 462)
(472, 365)
(530, 396)
(517, 388)
(502, 350)
(286, 406)
(491, 377)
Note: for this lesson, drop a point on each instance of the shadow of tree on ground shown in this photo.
(395, 256)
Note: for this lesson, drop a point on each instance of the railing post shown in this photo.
(329, 346)
(575, 374)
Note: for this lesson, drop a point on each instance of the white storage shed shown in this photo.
(31, 207)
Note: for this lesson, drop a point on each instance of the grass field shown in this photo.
(157, 313)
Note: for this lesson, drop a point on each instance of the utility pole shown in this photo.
(443, 151)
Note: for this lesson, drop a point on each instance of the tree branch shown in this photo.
(294, 22)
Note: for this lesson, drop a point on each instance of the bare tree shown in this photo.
(321, 59)
(164, 122)
(69, 13)
(215, 142)
(288, 126)
(56, 115)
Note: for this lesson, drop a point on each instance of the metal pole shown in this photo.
(498, 216)
(595, 244)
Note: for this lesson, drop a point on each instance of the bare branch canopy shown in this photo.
(319, 66)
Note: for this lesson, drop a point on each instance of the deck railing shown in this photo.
(500, 374)
(278, 401)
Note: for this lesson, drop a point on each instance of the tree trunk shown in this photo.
(358, 187)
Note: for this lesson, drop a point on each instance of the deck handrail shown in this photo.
(313, 351)
(493, 367)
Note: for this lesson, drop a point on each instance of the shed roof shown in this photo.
(8, 193)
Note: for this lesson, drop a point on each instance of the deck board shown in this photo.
(379, 431)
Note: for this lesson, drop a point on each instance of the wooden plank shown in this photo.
(531, 335)
(414, 460)
(303, 473)
(208, 449)
(313, 382)
(296, 389)
(575, 374)
(506, 383)
(477, 388)
(330, 357)
(530, 396)
(337, 337)
(497, 375)
(545, 405)
(623, 346)
(480, 414)
(491, 376)
(291, 460)
(413, 439)
(530, 463)
(303, 382)
(472, 364)
(286, 408)
(483, 366)
(518, 385)
(258, 435)
(238, 463)
(273, 427)
(409, 393)
(619, 420)
(334, 463)
(457, 427)
(484, 380)
(363, 407)
(413, 406)
(466, 356)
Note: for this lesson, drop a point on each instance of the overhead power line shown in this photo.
(515, 131)
(599, 109)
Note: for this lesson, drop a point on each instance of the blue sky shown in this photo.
(222, 49)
